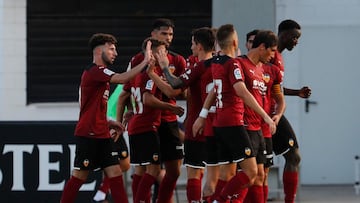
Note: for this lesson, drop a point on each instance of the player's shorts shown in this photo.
(284, 139)
(195, 153)
(233, 144)
(121, 148)
(171, 147)
(269, 153)
(144, 148)
(258, 144)
(94, 154)
(211, 151)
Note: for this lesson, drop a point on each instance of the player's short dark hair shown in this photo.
(288, 25)
(223, 34)
(163, 22)
(205, 36)
(266, 37)
(101, 39)
(251, 33)
(154, 43)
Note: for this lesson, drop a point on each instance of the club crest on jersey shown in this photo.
(108, 71)
(149, 85)
(171, 68)
(237, 74)
(86, 162)
(247, 151)
(291, 142)
(155, 157)
(266, 77)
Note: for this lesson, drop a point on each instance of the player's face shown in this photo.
(292, 38)
(249, 42)
(159, 49)
(108, 53)
(194, 47)
(164, 34)
(268, 54)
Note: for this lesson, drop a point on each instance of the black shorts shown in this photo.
(258, 144)
(284, 139)
(171, 147)
(121, 148)
(195, 154)
(211, 151)
(233, 144)
(144, 148)
(269, 153)
(94, 154)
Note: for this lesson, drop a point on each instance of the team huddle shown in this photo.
(234, 121)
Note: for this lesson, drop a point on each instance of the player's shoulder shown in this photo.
(221, 59)
(90, 66)
(175, 55)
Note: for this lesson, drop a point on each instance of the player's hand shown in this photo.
(276, 119)
(304, 92)
(198, 126)
(126, 118)
(178, 110)
(162, 59)
(148, 52)
(271, 124)
(116, 129)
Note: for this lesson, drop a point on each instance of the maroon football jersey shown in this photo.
(93, 98)
(226, 71)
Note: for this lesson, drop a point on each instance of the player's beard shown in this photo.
(106, 59)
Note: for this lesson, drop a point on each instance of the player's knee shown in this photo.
(293, 157)
(252, 175)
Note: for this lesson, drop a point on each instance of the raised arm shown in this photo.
(304, 92)
(121, 78)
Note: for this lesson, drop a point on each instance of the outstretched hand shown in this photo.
(148, 52)
(305, 92)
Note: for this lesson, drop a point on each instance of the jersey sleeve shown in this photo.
(192, 74)
(235, 72)
(101, 74)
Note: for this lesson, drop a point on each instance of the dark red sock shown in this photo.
(134, 185)
(105, 186)
(256, 194)
(166, 189)
(242, 197)
(266, 192)
(71, 189)
(290, 181)
(144, 188)
(193, 190)
(219, 186)
(233, 188)
(117, 189)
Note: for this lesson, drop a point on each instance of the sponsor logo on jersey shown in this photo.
(237, 74)
(149, 85)
(108, 72)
